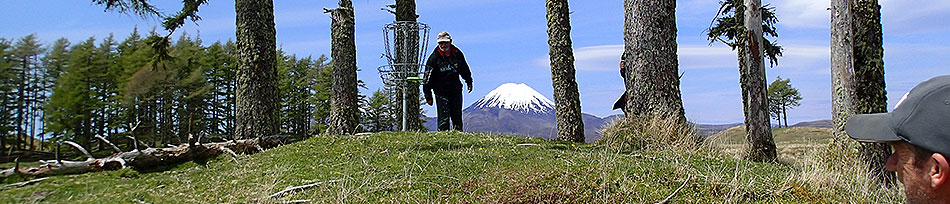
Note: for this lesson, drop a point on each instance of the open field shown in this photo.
(791, 143)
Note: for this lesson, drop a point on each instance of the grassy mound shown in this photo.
(442, 167)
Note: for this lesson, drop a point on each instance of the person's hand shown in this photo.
(469, 84)
(429, 101)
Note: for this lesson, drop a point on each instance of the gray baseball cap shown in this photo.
(921, 118)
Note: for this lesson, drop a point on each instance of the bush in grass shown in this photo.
(651, 132)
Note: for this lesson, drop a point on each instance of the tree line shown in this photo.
(77, 90)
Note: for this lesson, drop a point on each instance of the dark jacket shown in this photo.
(444, 69)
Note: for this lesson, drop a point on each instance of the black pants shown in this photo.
(449, 106)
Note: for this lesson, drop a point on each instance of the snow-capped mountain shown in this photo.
(516, 97)
(517, 109)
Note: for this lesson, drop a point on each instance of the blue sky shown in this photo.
(506, 41)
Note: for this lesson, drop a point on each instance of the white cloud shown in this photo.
(910, 17)
(606, 57)
(897, 16)
(803, 13)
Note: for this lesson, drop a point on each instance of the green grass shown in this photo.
(441, 167)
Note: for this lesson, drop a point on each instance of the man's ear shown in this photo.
(940, 172)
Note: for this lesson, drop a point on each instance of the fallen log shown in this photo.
(148, 158)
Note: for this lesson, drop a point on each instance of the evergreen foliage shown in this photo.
(380, 112)
(746, 33)
(298, 84)
(782, 96)
(108, 87)
(7, 87)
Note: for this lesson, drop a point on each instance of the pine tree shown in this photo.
(322, 87)
(296, 88)
(570, 126)
(140, 73)
(7, 93)
(104, 84)
(71, 105)
(344, 113)
(221, 60)
(192, 91)
(378, 114)
(752, 79)
(782, 96)
(54, 64)
(650, 40)
(256, 102)
(26, 53)
(732, 23)
(857, 76)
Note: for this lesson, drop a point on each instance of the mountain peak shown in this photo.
(519, 97)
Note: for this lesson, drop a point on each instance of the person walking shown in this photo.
(443, 69)
(919, 134)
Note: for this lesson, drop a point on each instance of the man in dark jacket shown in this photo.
(443, 68)
(622, 101)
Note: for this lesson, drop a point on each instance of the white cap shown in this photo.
(444, 37)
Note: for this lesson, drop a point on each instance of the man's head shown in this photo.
(623, 57)
(923, 173)
(918, 129)
(444, 40)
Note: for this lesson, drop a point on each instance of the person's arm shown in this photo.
(464, 71)
(426, 88)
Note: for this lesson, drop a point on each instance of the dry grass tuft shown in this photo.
(835, 170)
(655, 132)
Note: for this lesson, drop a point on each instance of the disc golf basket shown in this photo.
(405, 53)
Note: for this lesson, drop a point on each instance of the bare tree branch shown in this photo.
(667, 200)
(114, 148)
(303, 187)
(21, 184)
(83, 150)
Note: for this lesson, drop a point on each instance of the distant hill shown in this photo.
(817, 124)
(711, 129)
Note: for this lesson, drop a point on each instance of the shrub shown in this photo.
(652, 132)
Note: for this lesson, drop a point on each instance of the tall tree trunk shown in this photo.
(407, 52)
(21, 106)
(570, 126)
(257, 98)
(653, 86)
(344, 115)
(752, 80)
(857, 75)
(785, 115)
